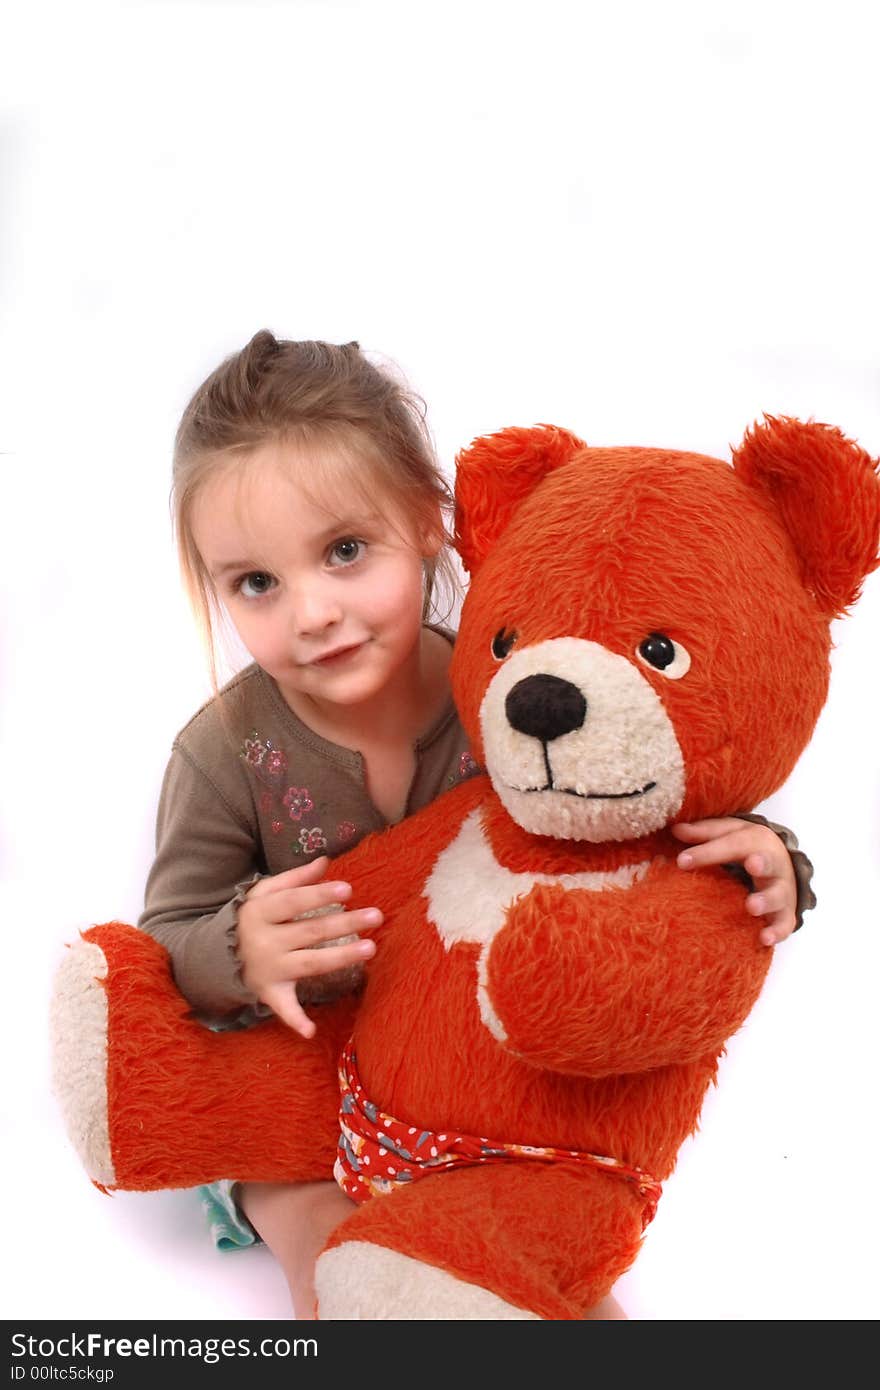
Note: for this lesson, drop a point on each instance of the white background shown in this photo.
(649, 223)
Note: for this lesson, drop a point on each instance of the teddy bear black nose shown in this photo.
(545, 707)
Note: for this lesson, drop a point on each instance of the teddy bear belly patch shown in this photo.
(468, 895)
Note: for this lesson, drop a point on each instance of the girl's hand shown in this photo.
(762, 855)
(279, 942)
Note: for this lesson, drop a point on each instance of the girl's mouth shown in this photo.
(339, 654)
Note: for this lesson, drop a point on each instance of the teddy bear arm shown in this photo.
(626, 980)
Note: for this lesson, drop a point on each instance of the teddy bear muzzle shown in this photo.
(579, 745)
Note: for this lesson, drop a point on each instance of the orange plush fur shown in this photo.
(546, 975)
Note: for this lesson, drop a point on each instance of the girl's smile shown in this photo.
(339, 654)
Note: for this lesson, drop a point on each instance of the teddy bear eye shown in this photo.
(668, 657)
(502, 642)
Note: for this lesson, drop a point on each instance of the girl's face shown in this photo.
(325, 595)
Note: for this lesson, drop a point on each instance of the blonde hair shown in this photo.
(311, 393)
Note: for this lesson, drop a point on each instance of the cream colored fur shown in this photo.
(362, 1282)
(79, 1048)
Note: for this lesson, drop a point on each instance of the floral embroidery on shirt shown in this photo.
(269, 765)
(467, 766)
(275, 763)
(268, 762)
(345, 831)
(297, 801)
(253, 751)
(313, 839)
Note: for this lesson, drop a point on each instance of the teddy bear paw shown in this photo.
(359, 1281)
(79, 1056)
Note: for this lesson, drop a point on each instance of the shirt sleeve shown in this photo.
(206, 859)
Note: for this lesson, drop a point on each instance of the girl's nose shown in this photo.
(315, 607)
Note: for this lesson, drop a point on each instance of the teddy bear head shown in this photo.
(646, 635)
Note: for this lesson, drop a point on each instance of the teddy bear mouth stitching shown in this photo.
(587, 796)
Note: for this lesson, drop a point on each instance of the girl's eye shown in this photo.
(502, 642)
(670, 658)
(256, 584)
(344, 552)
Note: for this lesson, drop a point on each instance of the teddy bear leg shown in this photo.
(505, 1241)
(153, 1099)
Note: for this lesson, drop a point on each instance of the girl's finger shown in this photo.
(312, 931)
(769, 900)
(697, 830)
(765, 866)
(305, 964)
(727, 849)
(778, 927)
(301, 876)
(290, 904)
(774, 905)
(282, 1000)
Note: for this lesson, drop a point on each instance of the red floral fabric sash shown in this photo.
(378, 1153)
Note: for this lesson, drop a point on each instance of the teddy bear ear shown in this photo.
(826, 491)
(495, 474)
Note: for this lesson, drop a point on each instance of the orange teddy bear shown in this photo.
(645, 640)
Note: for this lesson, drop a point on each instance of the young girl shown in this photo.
(310, 512)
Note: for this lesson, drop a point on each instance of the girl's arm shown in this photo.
(206, 858)
(236, 939)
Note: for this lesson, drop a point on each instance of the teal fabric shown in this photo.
(230, 1228)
